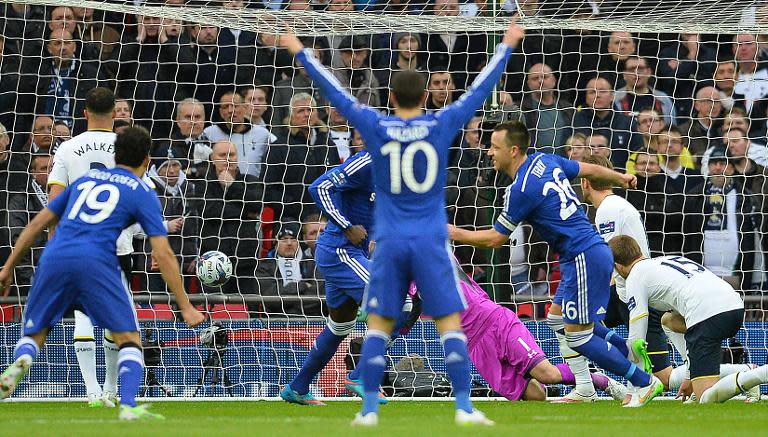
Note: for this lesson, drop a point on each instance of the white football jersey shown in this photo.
(76, 157)
(675, 283)
(616, 216)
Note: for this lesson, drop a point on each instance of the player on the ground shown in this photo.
(92, 149)
(90, 214)
(542, 195)
(712, 310)
(409, 152)
(345, 195)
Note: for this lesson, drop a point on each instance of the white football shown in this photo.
(214, 268)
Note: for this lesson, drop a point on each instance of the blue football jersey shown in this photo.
(410, 157)
(95, 209)
(345, 195)
(542, 195)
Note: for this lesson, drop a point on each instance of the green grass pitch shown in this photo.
(660, 418)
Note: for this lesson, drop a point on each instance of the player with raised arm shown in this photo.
(90, 214)
(409, 152)
(712, 309)
(542, 195)
(92, 149)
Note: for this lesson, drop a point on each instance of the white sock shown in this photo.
(579, 366)
(678, 341)
(677, 377)
(111, 352)
(85, 349)
(734, 384)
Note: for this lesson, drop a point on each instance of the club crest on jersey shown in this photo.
(338, 178)
(631, 304)
(606, 228)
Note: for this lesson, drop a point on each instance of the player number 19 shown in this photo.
(90, 196)
(401, 167)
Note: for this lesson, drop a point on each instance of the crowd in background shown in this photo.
(240, 132)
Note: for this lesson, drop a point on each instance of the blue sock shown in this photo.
(354, 374)
(130, 365)
(457, 367)
(609, 358)
(372, 365)
(25, 346)
(612, 337)
(325, 346)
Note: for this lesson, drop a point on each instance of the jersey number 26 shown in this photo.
(401, 166)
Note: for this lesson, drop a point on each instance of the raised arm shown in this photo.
(598, 173)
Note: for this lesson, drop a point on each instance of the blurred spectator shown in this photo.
(61, 133)
(22, 208)
(124, 110)
(149, 75)
(546, 114)
(677, 162)
(356, 144)
(463, 54)
(287, 273)
(352, 71)
(340, 133)
(188, 135)
(704, 129)
(230, 41)
(41, 137)
(598, 145)
(231, 212)
(312, 225)
(24, 26)
(683, 65)
(255, 99)
(647, 164)
(719, 223)
(251, 140)
(297, 83)
(621, 45)
(752, 80)
(9, 72)
(600, 117)
(638, 94)
(441, 89)
(262, 63)
(181, 211)
(118, 126)
(295, 160)
(96, 35)
(725, 82)
(649, 125)
(58, 82)
(576, 147)
(404, 56)
(13, 178)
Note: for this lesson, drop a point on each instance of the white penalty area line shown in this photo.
(278, 399)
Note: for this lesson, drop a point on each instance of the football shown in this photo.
(214, 268)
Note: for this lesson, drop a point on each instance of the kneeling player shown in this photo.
(91, 213)
(712, 310)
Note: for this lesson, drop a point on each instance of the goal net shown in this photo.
(669, 90)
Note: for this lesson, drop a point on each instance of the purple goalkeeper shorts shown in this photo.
(504, 354)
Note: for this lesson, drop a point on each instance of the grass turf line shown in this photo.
(397, 419)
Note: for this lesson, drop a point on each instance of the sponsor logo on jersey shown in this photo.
(631, 304)
(607, 228)
(601, 310)
(373, 303)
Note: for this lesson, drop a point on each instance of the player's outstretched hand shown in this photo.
(685, 391)
(6, 278)
(628, 180)
(192, 316)
(356, 234)
(289, 41)
(514, 34)
(452, 232)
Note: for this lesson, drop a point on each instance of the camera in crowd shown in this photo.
(215, 336)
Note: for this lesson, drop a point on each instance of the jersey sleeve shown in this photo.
(637, 303)
(58, 175)
(59, 205)
(460, 112)
(517, 205)
(360, 116)
(327, 189)
(569, 166)
(148, 214)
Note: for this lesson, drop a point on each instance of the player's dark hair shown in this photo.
(100, 101)
(602, 162)
(515, 134)
(408, 88)
(132, 146)
(625, 250)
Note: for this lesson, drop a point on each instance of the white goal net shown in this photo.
(668, 90)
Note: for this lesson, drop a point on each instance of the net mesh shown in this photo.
(200, 73)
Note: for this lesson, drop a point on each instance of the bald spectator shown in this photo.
(297, 83)
(683, 65)
(547, 114)
(441, 88)
(621, 45)
(57, 83)
(638, 94)
(297, 158)
(251, 140)
(752, 81)
(601, 117)
(352, 70)
(231, 216)
(703, 130)
(188, 136)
